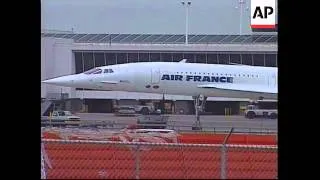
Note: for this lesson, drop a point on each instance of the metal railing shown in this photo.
(163, 38)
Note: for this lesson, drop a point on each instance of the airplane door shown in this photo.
(272, 80)
(155, 76)
(274, 76)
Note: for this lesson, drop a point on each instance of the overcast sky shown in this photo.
(145, 16)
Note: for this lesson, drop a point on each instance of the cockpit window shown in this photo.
(108, 71)
(99, 71)
(89, 71)
(93, 71)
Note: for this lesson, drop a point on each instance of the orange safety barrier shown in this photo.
(76, 160)
(252, 139)
(49, 135)
(197, 138)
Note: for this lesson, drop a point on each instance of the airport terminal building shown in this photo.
(69, 53)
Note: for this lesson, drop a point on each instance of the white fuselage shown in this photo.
(177, 79)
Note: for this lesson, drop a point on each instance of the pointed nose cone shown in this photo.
(60, 81)
(50, 81)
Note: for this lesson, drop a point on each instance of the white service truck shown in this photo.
(61, 116)
(254, 111)
(132, 109)
(144, 109)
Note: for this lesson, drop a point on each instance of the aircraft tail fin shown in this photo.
(183, 61)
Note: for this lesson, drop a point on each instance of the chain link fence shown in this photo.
(82, 159)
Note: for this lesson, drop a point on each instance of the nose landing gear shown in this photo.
(199, 107)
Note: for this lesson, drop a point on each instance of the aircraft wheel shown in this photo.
(251, 115)
(144, 111)
(273, 115)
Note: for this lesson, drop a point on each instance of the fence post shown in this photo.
(223, 161)
(138, 161)
(224, 156)
(43, 170)
(43, 166)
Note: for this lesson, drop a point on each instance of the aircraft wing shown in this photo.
(240, 87)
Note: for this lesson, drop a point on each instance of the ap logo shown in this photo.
(263, 13)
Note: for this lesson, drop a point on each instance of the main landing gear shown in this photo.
(199, 107)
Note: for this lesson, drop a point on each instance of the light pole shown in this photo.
(186, 5)
(241, 3)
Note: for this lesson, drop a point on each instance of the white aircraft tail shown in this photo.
(183, 61)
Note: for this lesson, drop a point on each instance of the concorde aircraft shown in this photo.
(179, 78)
